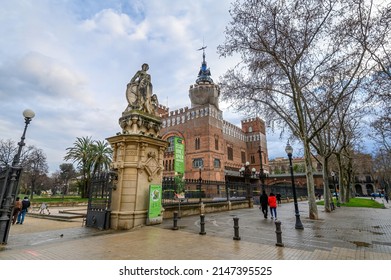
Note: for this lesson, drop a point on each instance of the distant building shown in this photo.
(280, 173)
(214, 148)
(364, 181)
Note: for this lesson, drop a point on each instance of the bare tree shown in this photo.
(300, 61)
(344, 154)
(35, 169)
(8, 150)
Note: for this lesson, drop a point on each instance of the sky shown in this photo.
(70, 61)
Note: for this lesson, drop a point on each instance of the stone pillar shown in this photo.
(137, 154)
(138, 160)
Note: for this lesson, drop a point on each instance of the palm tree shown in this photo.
(82, 153)
(92, 157)
(102, 157)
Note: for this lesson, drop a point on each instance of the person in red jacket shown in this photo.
(273, 206)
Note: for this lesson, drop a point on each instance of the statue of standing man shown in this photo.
(139, 91)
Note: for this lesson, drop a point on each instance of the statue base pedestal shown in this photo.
(138, 160)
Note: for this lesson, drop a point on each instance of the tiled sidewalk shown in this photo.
(347, 233)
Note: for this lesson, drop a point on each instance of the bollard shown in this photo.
(279, 234)
(175, 220)
(202, 223)
(236, 228)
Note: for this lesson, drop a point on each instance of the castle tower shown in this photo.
(204, 91)
(201, 128)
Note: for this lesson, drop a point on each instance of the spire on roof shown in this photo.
(204, 73)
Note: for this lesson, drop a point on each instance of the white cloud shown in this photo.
(70, 62)
(114, 24)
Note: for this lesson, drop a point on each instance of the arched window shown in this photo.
(197, 143)
(252, 159)
(170, 147)
(243, 155)
(230, 153)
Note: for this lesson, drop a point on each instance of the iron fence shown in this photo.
(196, 191)
(99, 202)
(9, 183)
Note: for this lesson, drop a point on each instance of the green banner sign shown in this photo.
(155, 203)
(179, 155)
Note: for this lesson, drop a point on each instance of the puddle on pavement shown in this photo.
(377, 233)
(361, 244)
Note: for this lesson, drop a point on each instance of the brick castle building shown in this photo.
(213, 146)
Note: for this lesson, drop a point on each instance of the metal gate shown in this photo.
(9, 181)
(99, 201)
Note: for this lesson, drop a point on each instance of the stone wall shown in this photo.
(197, 209)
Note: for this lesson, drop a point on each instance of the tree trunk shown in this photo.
(326, 189)
(313, 208)
(342, 188)
(349, 180)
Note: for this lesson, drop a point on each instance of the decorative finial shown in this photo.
(204, 73)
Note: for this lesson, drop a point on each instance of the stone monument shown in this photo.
(137, 154)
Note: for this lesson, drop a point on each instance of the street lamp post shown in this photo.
(15, 169)
(289, 151)
(246, 173)
(200, 183)
(262, 174)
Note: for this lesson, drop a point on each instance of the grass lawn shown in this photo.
(359, 202)
(57, 199)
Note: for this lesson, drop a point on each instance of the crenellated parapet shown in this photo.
(204, 93)
(253, 125)
(181, 116)
(233, 131)
(249, 132)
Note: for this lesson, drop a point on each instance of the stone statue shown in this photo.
(139, 92)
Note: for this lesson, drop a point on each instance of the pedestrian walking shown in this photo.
(264, 203)
(386, 197)
(43, 208)
(278, 196)
(272, 200)
(22, 213)
(17, 209)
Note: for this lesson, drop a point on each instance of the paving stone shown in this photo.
(344, 234)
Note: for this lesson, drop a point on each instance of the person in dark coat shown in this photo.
(278, 196)
(17, 209)
(22, 213)
(264, 203)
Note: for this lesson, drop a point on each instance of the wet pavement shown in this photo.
(346, 233)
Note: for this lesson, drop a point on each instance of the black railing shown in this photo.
(217, 191)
